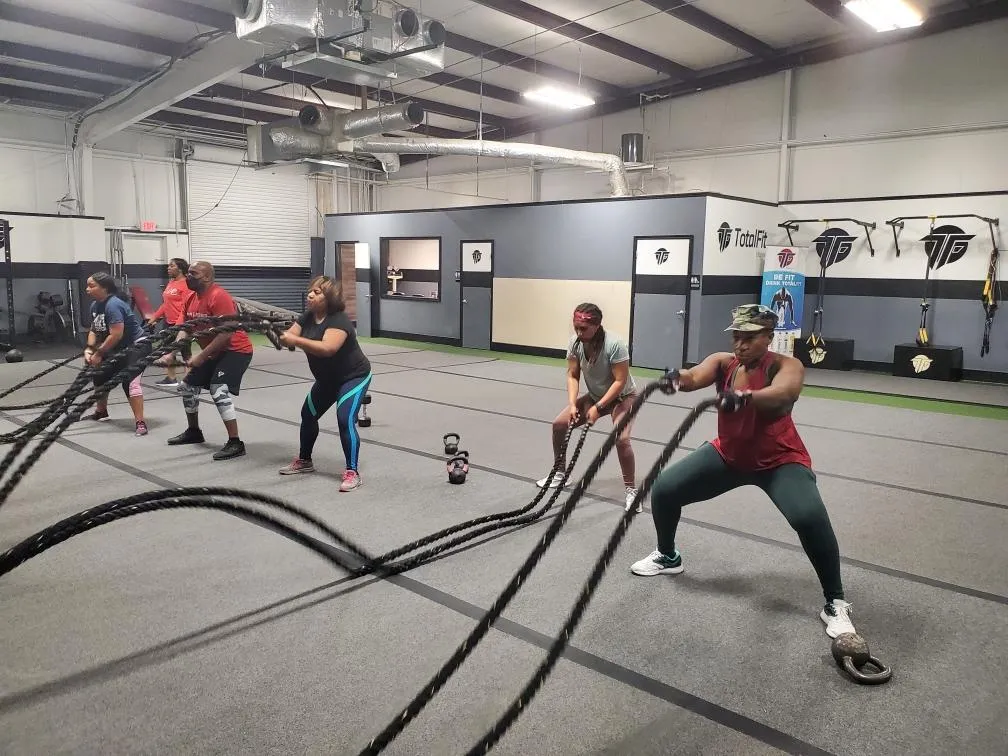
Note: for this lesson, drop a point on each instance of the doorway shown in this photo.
(659, 295)
(476, 268)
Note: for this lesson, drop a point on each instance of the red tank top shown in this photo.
(748, 440)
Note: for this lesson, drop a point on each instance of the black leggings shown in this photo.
(347, 397)
(704, 475)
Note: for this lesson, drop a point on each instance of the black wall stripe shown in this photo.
(651, 284)
(718, 285)
(901, 288)
(484, 280)
(363, 275)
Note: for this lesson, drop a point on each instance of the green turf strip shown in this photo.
(963, 409)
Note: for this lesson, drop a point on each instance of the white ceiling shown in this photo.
(617, 49)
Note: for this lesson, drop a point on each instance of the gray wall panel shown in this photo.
(582, 240)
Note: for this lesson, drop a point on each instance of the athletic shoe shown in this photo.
(551, 482)
(836, 615)
(351, 480)
(188, 436)
(233, 448)
(141, 428)
(167, 382)
(630, 494)
(657, 563)
(98, 416)
(298, 466)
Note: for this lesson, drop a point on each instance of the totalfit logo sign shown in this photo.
(745, 238)
(833, 246)
(477, 256)
(661, 255)
(785, 257)
(945, 245)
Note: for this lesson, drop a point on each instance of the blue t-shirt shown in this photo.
(113, 310)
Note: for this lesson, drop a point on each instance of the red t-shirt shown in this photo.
(172, 300)
(748, 440)
(214, 301)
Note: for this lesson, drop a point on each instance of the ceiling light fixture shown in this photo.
(885, 15)
(560, 98)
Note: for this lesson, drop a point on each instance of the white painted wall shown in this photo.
(912, 118)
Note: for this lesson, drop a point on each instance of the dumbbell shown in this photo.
(451, 447)
(364, 421)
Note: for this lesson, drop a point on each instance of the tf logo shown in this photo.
(785, 257)
(945, 245)
(661, 255)
(477, 256)
(833, 246)
(921, 363)
(723, 236)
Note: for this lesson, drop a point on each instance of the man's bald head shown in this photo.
(204, 270)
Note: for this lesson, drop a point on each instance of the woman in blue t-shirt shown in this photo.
(114, 327)
(342, 375)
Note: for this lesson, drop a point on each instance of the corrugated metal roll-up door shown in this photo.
(261, 219)
(281, 287)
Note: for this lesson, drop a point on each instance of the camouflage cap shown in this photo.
(752, 317)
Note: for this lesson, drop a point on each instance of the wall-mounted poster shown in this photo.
(784, 293)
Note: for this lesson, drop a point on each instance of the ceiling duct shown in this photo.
(360, 42)
(318, 131)
(632, 148)
(611, 164)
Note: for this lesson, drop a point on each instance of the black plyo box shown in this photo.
(932, 362)
(838, 354)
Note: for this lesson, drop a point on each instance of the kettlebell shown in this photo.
(451, 447)
(458, 468)
(851, 653)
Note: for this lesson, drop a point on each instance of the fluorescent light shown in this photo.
(560, 98)
(885, 15)
(333, 163)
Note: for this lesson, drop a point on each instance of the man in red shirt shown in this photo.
(757, 444)
(172, 299)
(220, 364)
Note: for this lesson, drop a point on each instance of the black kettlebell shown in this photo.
(851, 653)
(14, 355)
(451, 447)
(458, 468)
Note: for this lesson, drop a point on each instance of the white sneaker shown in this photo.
(550, 482)
(836, 615)
(657, 563)
(630, 494)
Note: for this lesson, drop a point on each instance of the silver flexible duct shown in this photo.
(319, 132)
(517, 150)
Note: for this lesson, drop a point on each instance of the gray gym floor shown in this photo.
(195, 632)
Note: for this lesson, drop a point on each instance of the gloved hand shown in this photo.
(733, 401)
(669, 383)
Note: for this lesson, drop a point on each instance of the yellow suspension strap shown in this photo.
(931, 256)
(989, 298)
(815, 339)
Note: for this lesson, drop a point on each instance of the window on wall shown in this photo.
(411, 268)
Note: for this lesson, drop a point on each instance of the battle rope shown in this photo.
(441, 677)
(601, 565)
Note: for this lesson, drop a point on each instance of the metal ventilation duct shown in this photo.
(612, 164)
(319, 131)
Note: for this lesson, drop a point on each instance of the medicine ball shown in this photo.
(14, 355)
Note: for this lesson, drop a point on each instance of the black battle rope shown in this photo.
(513, 517)
(414, 707)
(591, 584)
(37, 544)
(74, 414)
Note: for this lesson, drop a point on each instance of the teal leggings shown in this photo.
(704, 475)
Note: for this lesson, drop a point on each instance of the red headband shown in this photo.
(584, 317)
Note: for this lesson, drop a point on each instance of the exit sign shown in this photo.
(148, 226)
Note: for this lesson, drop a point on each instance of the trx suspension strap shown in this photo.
(930, 248)
(990, 293)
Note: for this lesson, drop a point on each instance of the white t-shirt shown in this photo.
(598, 375)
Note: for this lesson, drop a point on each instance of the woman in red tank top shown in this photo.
(757, 444)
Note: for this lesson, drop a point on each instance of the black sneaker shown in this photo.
(233, 448)
(188, 436)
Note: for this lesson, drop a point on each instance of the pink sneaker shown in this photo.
(297, 466)
(351, 480)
